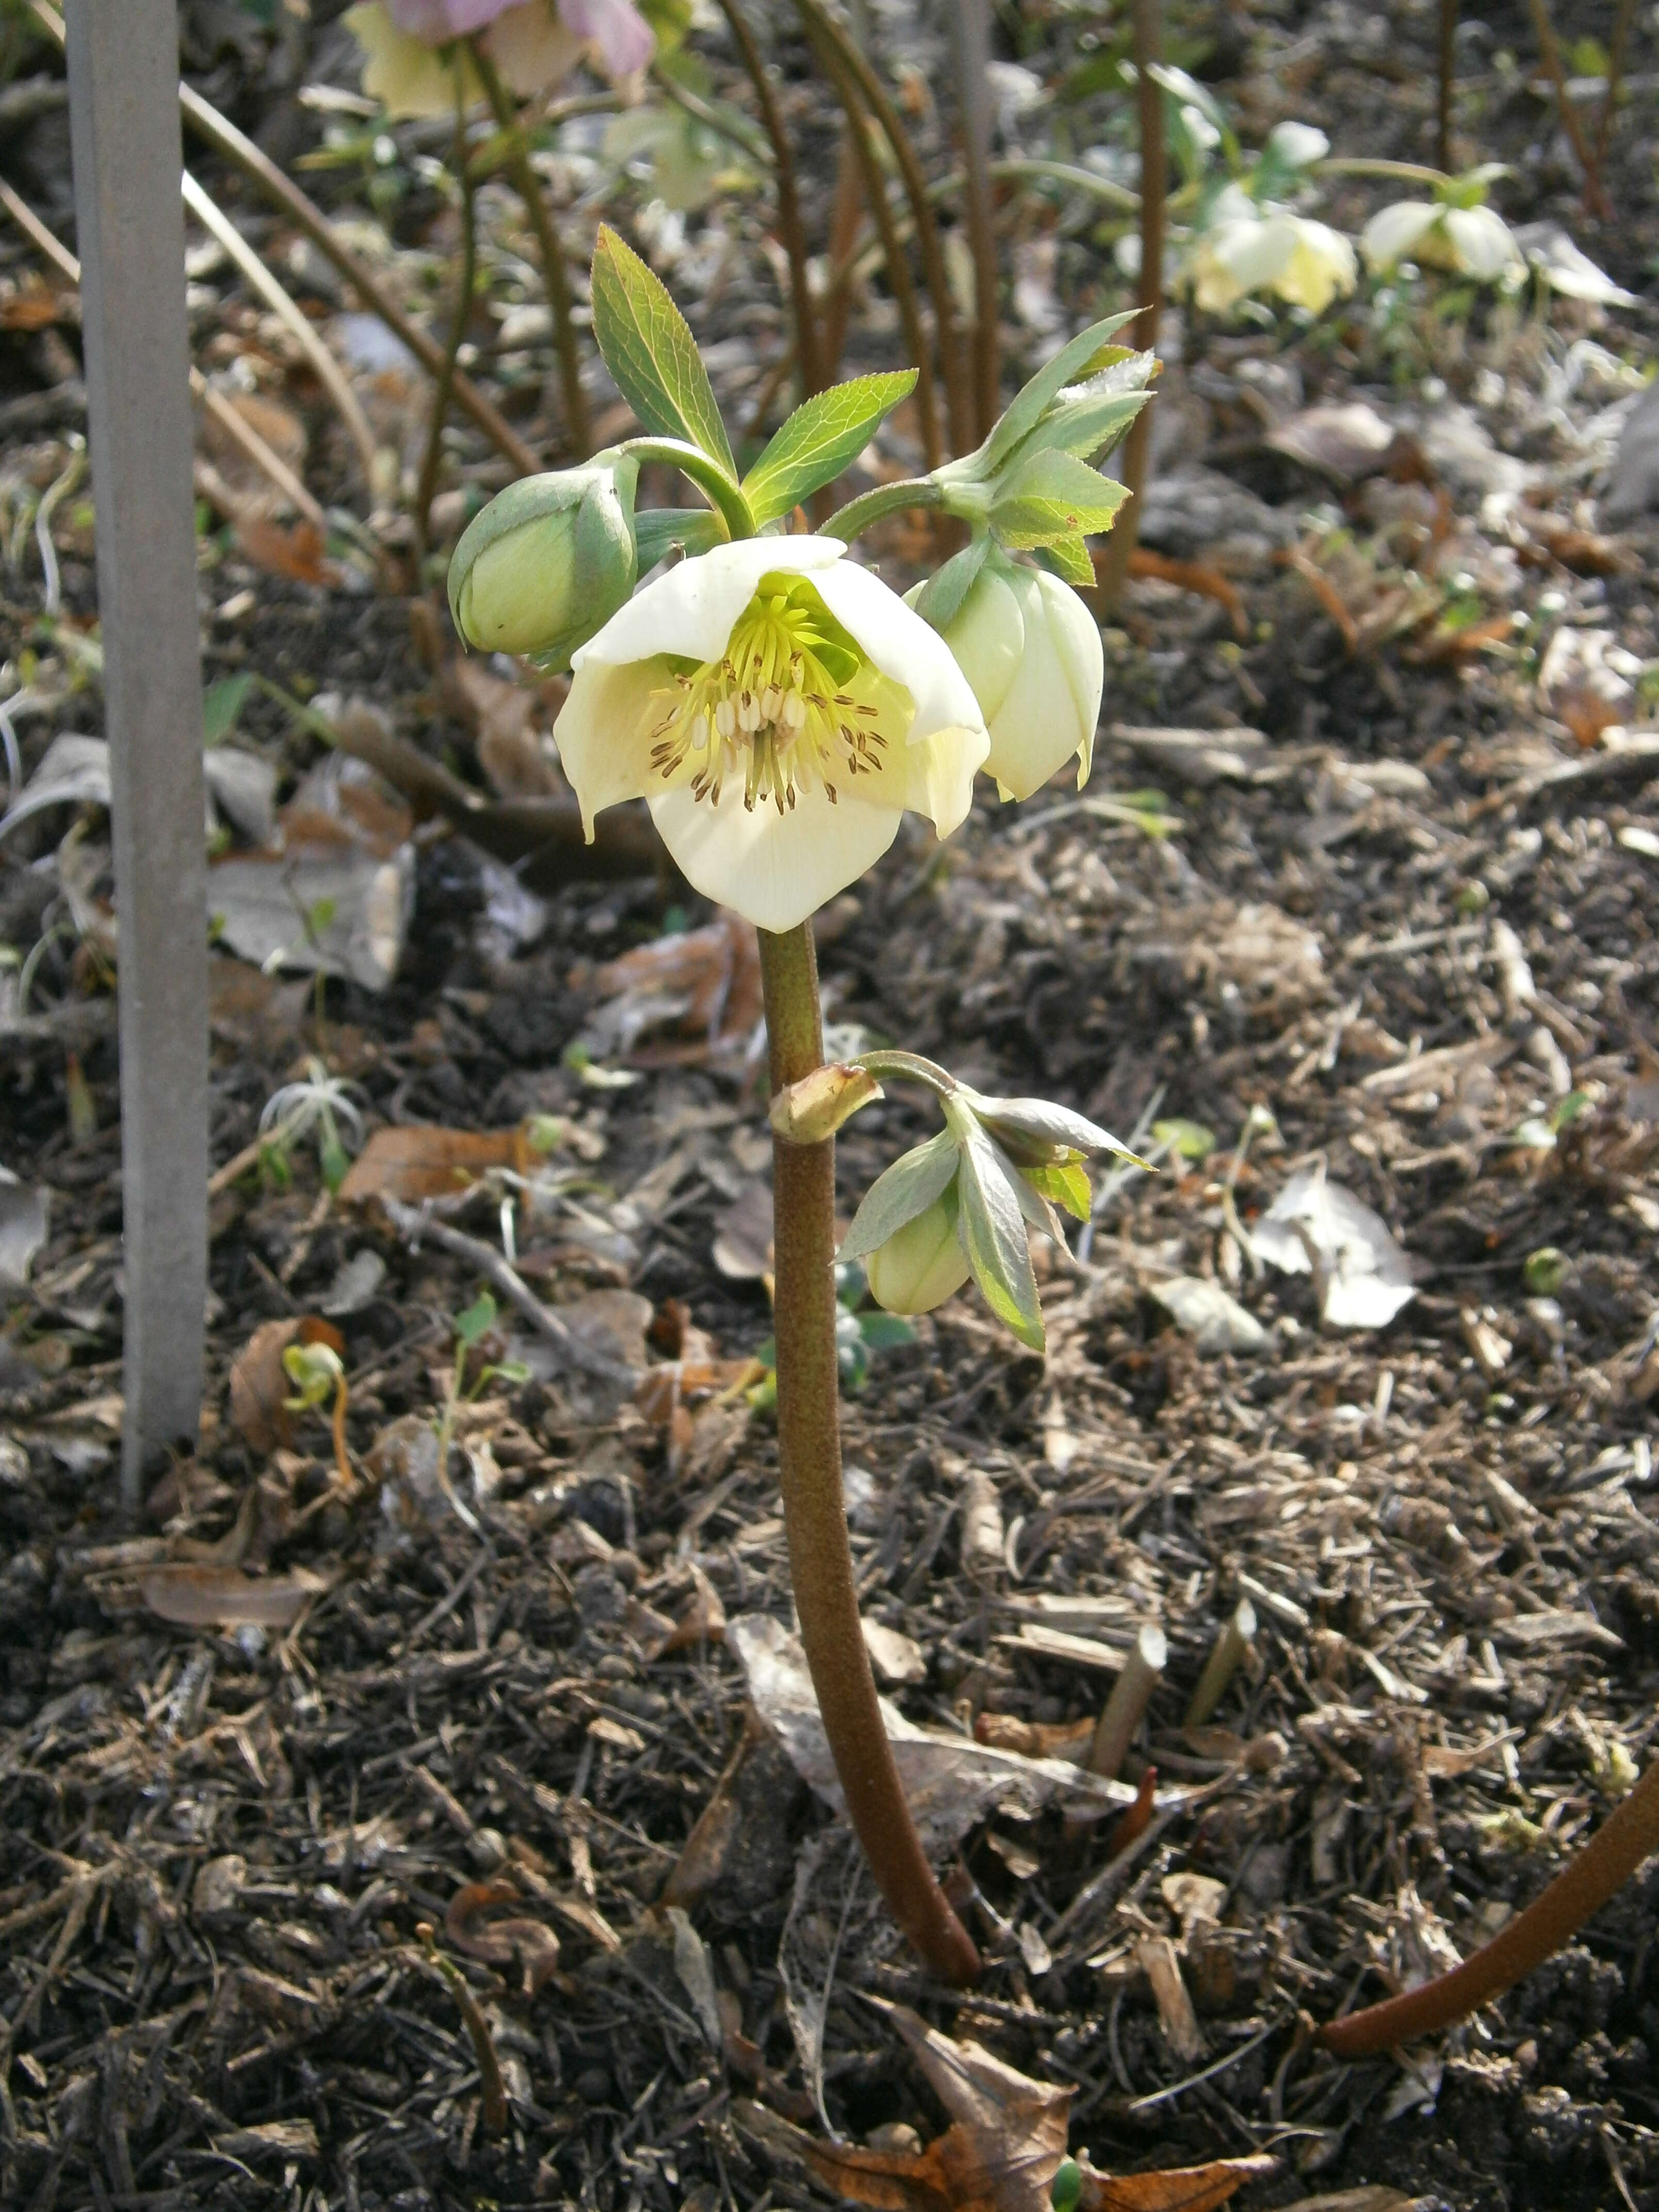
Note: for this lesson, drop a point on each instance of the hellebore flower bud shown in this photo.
(1031, 653)
(549, 562)
(922, 1263)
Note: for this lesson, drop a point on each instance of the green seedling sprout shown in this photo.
(472, 1325)
(317, 1372)
(321, 1103)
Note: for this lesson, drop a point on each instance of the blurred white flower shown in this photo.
(1252, 246)
(533, 43)
(1471, 242)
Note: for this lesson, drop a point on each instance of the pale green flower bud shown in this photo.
(549, 562)
(922, 1263)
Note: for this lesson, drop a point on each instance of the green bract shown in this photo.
(549, 561)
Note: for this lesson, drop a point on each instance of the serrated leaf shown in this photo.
(1026, 409)
(660, 529)
(648, 348)
(1054, 497)
(899, 1195)
(1069, 559)
(991, 1224)
(820, 439)
(1066, 1186)
(940, 599)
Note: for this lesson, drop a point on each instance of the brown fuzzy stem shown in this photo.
(1628, 1836)
(815, 1518)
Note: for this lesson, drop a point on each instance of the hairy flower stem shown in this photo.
(1628, 1835)
(527, 185)
(815, 1518)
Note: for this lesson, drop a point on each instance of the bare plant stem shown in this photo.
(1130, 1693)
(527, 185)
(1137, 446)
(446, 384)
(815, 1519)
(1448, 75)
(1226, 1657)
(791, 230)
(1595, 197)
(971, 27)
(833, 59)
(1629, 1835)
(1621, 23)
(952, 364)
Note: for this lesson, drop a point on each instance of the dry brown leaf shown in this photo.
(506, 719)
(706, 981)
(200, 1596)
(259, 1383)
(411, 1164)
(295, 552)
(531, 1943)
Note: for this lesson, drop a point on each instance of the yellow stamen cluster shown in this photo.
(769, 709)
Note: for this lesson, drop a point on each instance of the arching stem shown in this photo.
(1629, 1835)
(815, 1518)
(791, 232)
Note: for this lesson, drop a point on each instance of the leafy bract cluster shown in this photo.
(963, 1203)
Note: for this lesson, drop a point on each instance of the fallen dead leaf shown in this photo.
(260, 1384)
(412, 1165)
(530, 1944)
(195, 1597)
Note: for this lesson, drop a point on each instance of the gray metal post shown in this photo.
(125, 136)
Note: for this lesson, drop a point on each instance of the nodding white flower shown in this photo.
(1259, 246)
(1472, 241)
(780, 708)
(1032, 652)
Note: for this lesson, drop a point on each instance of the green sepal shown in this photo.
(648, 348)
(1071, 365)
(939, 600)
(991, 1221)
(1066, 1185)
(1069, 559)
(900, 1194)
(660, 529)
(823, 436)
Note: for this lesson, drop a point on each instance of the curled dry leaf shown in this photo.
(529, 1943)
(706, 984)
(202, 1596)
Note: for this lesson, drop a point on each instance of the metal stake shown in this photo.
(124, 137)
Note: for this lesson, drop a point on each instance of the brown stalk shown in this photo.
(791, 231)
(262, 171)
(446, 384)
(1628, 1835)
(843, 244)
(1621, 23)
(1595, 197)
(528, 186)
(1137, 446)
(874, 93)
(971, 28)
(1447, 73)
(815, 1518)
(832, 60)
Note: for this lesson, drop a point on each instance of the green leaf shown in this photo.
(477, 1320)
(1187, 1140)
(820, 439)
(991, 1222)
(659, 529)
(670, 19)
(648, 348)
(885, 1331)
(1068, 1185)
(904, 1190)
(1069, 365)
(941, 598)
(221, 707)
(1053, 496)
(1069, 559)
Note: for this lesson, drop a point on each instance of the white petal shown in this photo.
(1042, 723)
(692, 609)
(938, 779)
(1077, 641)
(1321, 266)
(774, 870)
(988, 635)
(408, 76)
(602, 734)
(1298, 143)
(902, 646)
(532, 48)
(1393, 232)
(1484, 244)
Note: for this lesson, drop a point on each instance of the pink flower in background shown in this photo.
(533, 43)
(625, 40)
(437, 22)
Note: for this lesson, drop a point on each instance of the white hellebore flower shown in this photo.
(1032, 652)
(1474, 241)
(1260, 246)
(780, 708)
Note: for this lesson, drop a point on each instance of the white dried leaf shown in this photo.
(1367, 1277)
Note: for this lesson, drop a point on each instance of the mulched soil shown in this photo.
(1414, 921)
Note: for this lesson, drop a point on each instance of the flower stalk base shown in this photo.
(809, 1450)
